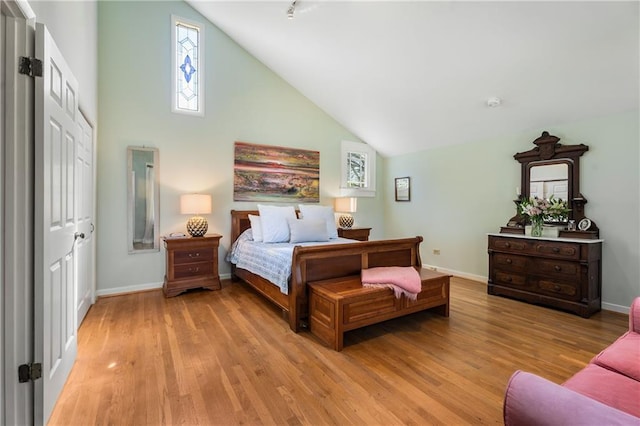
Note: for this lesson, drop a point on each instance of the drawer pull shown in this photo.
(194, 269)
(557, 268)
(196, 255)
(556, 287)
(556, 249)
(509, 279)
(509, 261)
(507, 245)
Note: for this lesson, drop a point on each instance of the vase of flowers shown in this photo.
(539, 210)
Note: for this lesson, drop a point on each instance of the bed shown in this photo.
(322, 262)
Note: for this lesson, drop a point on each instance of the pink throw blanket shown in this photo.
(401, 279)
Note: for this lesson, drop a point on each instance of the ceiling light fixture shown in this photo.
(291, 9)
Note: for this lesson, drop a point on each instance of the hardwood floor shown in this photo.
(227, 357)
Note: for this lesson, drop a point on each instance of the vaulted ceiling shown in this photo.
(409, 76)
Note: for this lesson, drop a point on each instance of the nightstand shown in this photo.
(192, 262)
(361, 234)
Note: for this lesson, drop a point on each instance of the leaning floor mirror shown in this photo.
(143, 199)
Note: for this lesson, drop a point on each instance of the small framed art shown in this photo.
(403, 189)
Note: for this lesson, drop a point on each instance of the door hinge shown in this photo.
(30, 66)
(29, 372)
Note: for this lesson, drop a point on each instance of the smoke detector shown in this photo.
(494, 102)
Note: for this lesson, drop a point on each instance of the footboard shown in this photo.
(318, 263)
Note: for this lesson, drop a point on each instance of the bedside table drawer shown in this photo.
(192, 270)
(360, 234)
(190, 256)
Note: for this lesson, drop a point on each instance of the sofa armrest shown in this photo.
(634, 316)
(532, 400)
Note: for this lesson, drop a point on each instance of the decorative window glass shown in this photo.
(358, 170)
(187, 66)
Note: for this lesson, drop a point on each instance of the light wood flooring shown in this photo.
(227, 357)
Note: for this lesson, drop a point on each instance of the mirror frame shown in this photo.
(131, 201)
(548, 150)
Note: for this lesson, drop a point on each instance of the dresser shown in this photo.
(192, 262)
(562, 273)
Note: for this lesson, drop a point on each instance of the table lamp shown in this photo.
(346, 205)
(196, 204)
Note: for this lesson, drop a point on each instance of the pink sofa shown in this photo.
(605, 392)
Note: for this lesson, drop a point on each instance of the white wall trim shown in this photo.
(605, 306)
(17, 227)
(616, 308)
(128, 289)
(19, 9)
(460, 274)
(140, 287)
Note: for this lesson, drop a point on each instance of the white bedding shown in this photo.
(271, 261)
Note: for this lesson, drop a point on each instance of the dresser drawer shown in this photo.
(560, 289)
(557, 268)
(554, 249)
(193, 270)
(511, 280)
(193, 255)
(568, 251)
(512, 245)
(510, 262)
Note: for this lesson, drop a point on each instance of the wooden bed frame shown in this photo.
(315, 263)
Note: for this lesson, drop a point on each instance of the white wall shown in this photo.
(74, 27)
(245, 101)
(461, 193)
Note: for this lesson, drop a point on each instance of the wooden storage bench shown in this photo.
(342, 304)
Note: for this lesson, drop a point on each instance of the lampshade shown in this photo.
(346, 205)
(195, 204)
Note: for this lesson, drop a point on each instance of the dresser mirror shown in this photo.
(143, 203)
(549, 179)
(552, 169)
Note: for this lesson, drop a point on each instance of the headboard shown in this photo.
(240, 222)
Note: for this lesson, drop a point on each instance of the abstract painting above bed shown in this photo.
(274, 173)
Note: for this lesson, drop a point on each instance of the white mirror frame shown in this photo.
(143, 221)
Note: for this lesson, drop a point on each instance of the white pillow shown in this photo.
(305, 230)
(275, 228)
(256, 227)
(310, 211)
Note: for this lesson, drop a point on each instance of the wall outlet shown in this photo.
(436, 251)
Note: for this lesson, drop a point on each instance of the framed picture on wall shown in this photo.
(403, 189)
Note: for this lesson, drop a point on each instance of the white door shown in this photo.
(56, 135)
(84, 218)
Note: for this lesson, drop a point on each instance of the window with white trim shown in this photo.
(187, 66)
(358, 170)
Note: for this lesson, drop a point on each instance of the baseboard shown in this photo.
(479, 278)
(605, 306)
(128, 289)
(460, 274)
(615, 308)
(139, 287)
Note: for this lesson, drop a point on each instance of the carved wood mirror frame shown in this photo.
(548, 150)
